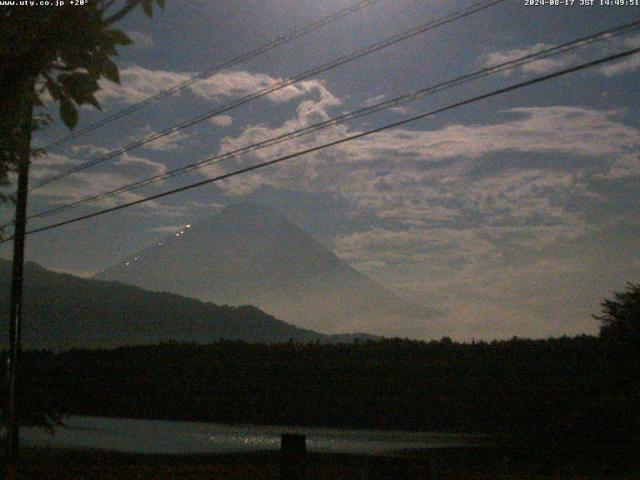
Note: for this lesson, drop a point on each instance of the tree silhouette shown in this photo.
(620, 317)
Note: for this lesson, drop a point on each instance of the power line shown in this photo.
(278, 86)
(461, 103)
(381, 106)
(279, 41)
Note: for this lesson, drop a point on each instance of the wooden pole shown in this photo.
(23, 139)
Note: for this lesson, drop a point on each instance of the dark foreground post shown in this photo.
(293, 460)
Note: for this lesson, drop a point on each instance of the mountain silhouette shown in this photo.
(249, 254)
(62, 311)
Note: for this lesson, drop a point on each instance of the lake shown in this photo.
(166, 437)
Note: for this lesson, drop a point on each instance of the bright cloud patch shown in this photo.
(221, 120)
(138, 83)
(126, 169)
(170, 142)
(629, 64)
(556, 62)
(538, 67)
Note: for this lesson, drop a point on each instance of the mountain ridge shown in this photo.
(64, 311)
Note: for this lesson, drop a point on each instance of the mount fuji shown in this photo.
(251, 255)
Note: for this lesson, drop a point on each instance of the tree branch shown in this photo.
(131, 4)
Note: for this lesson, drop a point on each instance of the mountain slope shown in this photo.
(63, 311)
(249, 254)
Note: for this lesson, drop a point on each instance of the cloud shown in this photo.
(447, 246)
(556, 62)
(618, 68)
(313, 108)
(410, 175)
(494, 282)
(221, 120)
(624, 166)
(231, 83)
(374, 100)
(138, 83)
(170, 142)
(142, 41)
(126, 169)
(186, 213)
(538, 67)
(387, 246)
(627, 65)
(490, 282)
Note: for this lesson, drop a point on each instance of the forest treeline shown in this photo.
(571, 394)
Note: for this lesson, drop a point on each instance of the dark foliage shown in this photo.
(620, 317)
(35, 405)
(575, 396)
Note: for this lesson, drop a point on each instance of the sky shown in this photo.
(512, 216)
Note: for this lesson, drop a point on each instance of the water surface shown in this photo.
(166, 437)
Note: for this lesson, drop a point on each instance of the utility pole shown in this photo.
(23, 140)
